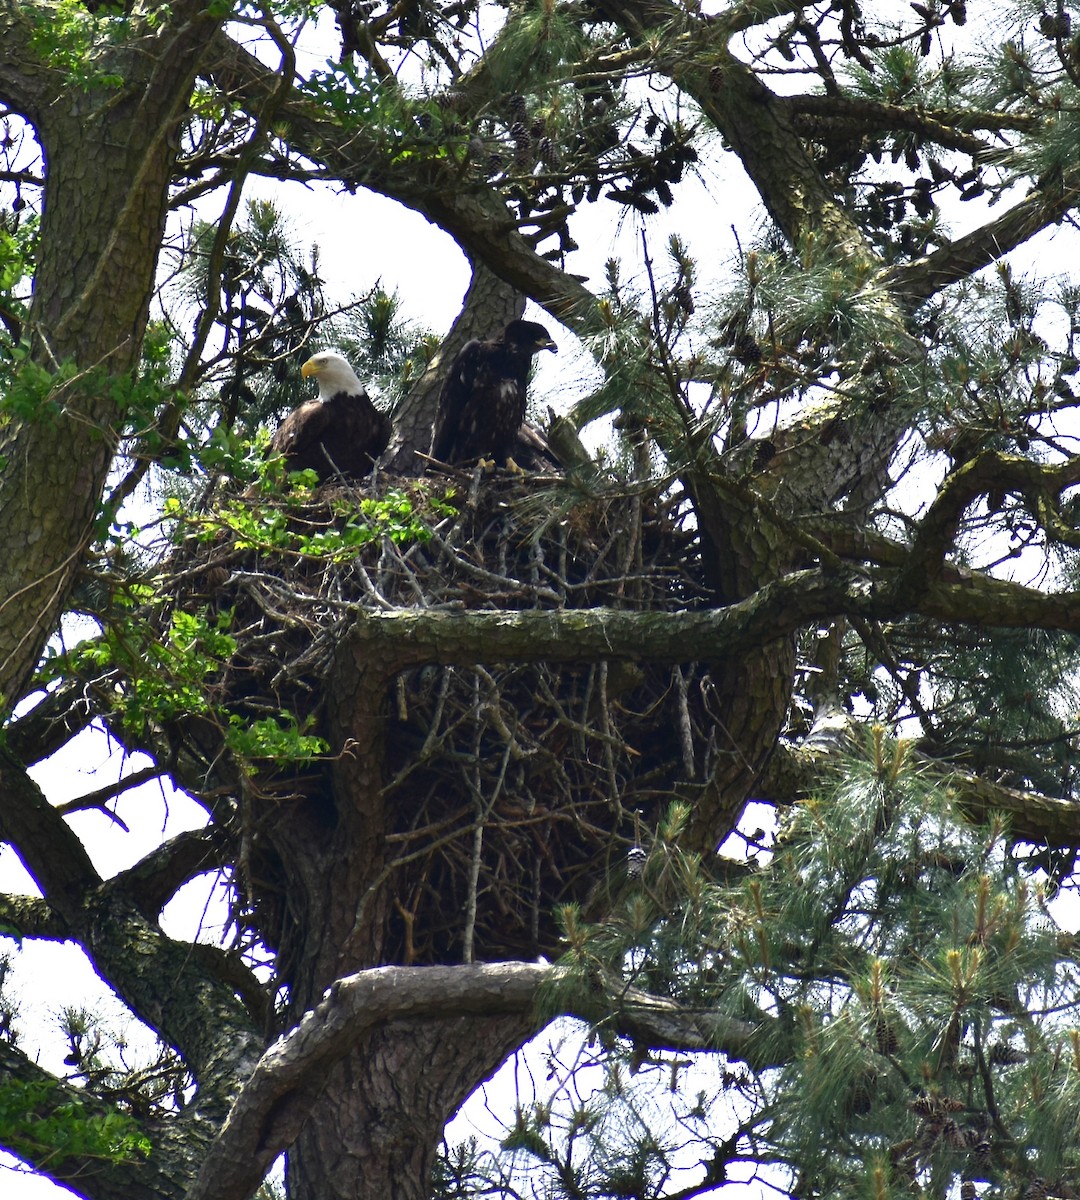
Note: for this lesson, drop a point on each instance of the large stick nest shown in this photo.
(509, 790)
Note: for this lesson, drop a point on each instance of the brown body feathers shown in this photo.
(341, 432)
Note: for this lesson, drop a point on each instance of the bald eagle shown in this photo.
(482, 405)
(341, 432)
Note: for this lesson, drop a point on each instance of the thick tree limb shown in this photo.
(919, 280)
(265, 1117)
(468, 209)
(49, 849)
(381, 644)
(936, 535)
(777, 609)
(797, 771)
(154, 880)
(32, 917)
(157, 976)
(865, 116)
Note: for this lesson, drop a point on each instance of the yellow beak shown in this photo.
(309, 368)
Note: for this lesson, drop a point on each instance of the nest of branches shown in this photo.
(509, 789)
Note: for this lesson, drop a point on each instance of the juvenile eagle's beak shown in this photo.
(547, 344)
(311, 367)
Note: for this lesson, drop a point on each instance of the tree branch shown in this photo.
(154, 880)
(382, 644)
(472, 212)
(157, 977)
(919, 280)
(990, 470)
(274, 1101)
(32, 917)
(945, 128)
(795, 772)
(49, 849)
(56, 718)
(100, 797)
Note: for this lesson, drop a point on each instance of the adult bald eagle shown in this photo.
(482, 405)
(341, 432)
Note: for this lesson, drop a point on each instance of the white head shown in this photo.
(333, 373)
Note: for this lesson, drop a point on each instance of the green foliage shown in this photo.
(821, 300)
(272, 314)
(539, 42)
(386, 349)
(72, 38)
(167, 677)
(28, 392)
(46, 1123)
(268, 298)
(277, 738)
(1052, 150)
(399, 515)
(1010, 706)
(161, 679)
(18, 247)
(639, 339)
(897, 73)
(405, 126)
(906, 965)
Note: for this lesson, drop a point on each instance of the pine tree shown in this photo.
(443, 723)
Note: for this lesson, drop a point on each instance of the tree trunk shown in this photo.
(490, 303)
(375, 1130)
(109, 152)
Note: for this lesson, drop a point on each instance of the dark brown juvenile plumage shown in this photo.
(482, 404)
(341, 432)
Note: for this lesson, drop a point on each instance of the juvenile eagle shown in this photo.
(482, 404)
(341, 432)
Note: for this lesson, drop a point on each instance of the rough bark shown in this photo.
(489, 304)
(375, 1129)
(401, 1042)
(109, 153)
(367, 1110)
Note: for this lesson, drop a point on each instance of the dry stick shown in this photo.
(388, 870)
(686, 733)
(369, 589)
(474, 863)
(408, 577)
(432, 828)
(99, 798)
(483, 575)
(478, 828)
(605, 730)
